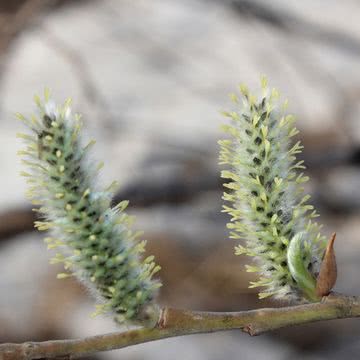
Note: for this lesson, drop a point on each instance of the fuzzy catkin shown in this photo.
(267, 206)
(95, 240)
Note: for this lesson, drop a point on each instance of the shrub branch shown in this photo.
(176, 322)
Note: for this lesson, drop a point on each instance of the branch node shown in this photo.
(250, 329)
(28, 348)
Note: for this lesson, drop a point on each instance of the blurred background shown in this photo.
(150, 78)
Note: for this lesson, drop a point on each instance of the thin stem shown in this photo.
(175, 322)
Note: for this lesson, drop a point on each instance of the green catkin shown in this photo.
(268, 208)
(95, 241)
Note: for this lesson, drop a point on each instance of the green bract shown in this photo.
(95, 240)
(268, 208)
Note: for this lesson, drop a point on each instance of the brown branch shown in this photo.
(16, 221)
(12, 23)
(174, 322)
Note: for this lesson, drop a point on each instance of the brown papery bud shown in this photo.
(328, 270)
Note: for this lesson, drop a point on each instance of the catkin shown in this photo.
(95, 240)
(269, 211)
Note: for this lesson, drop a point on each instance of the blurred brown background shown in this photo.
(150, 78)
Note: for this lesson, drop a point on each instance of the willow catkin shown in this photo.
(269, 211)
(95, 240)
